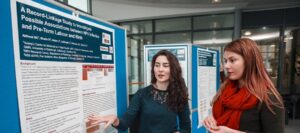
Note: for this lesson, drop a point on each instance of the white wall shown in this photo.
(80, 4)
(112, 11)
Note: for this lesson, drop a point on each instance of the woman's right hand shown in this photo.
(210, 124)
(109, 119)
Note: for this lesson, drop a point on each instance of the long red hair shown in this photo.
(255, 76)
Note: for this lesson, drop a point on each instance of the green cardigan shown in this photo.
(154, 117)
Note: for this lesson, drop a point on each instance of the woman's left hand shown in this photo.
(221, 129)
(210, 123)
(224, 129)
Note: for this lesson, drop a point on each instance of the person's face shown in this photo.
(234, 65)
(162, 69)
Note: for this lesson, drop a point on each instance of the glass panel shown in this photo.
(136, 61)
(213, 38)
(292, 37)
(138, 27)
(176, 24)
(214, 21)
(173, 38)
(267, 40)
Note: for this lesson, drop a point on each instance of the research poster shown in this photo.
(207, 82)
(180, 51)
(65, 69)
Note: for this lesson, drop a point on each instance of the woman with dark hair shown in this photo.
(247, 101)
(159, 104)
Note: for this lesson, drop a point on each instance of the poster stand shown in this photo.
(57, 66)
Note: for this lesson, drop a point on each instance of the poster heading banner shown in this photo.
(46, 36)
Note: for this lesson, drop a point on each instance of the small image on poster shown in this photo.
(106, 38)
(103, 48)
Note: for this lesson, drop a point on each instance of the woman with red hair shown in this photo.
(247, 101)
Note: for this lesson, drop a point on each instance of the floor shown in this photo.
(293, 126)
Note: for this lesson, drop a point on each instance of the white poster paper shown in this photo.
(206, 82)
(65, 69)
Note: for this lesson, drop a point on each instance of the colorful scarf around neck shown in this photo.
(228, 108)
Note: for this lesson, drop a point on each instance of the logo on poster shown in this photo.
(103, 48)
(106, 38)
(106, 57)
(111, 50)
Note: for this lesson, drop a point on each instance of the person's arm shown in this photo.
(131, 113)
(184, 120)
(272, 123)
(119, 123)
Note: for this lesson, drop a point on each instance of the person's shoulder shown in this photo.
(274, 104)
(274, 99)
(144, 91)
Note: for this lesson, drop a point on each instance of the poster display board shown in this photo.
(205, 82)
(65, 69)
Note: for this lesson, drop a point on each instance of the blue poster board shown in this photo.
(204, 63)
(10, 118)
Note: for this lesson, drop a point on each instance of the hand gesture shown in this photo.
(210, 124)
(108, 120)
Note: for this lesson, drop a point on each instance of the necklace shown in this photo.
(159, 95)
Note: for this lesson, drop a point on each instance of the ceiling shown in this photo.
(129, 10)
(244, 4)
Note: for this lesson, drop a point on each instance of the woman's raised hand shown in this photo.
(108, 120)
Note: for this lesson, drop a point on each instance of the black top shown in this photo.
(155, 116)
(261, 120)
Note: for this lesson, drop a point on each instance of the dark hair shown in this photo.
(255, 75)
(178, 96)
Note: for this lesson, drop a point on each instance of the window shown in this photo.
(184, 37)
(138, 27)
(214, 21)
(268, 41)
(213, 38)
(213, 31)
(175, 24)
(136, 60)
